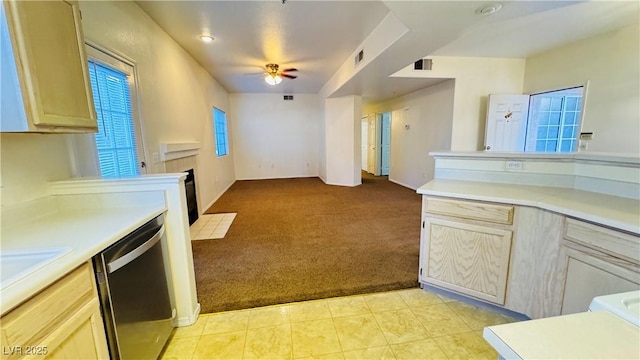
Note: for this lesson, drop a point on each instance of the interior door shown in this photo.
(506, 122)
(363, 143)
(371, 144)
(385, 147)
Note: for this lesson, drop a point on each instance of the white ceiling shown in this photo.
(317, 37)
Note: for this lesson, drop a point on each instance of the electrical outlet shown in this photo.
(583, 145)
(514, 165)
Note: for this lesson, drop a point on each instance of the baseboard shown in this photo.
(279, 177)
(473, 301)
(189, 320)
(403, 184)
(216, 198)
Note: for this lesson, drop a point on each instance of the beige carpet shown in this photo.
(299, 239)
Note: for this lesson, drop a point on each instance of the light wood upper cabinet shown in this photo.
(44, 69)
(63, 321)
(464, 255)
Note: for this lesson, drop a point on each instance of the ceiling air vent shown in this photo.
(288, 97)
(423, 64)
(359, 57)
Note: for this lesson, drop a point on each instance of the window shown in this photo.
(115, 140)
(554, 118)
(220, 132)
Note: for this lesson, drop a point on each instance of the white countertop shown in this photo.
(85, 231)
(627, 158)
(588, 335)
(617, 212)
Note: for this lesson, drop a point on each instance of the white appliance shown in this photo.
(625, 305)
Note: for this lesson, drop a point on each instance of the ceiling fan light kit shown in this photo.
(274, 75)
(273, 79)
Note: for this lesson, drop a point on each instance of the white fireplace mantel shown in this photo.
(177, 150)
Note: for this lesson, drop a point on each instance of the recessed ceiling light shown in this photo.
(206, 38)
(488, 9)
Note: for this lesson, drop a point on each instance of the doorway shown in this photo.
(363, 143)
(385, 142)
(376, 144)
(117, 149)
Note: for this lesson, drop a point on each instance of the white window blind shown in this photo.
(115, 140)
(220, 130)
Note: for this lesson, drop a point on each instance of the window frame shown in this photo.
(85, 147)
(223, 132)
(563, 94)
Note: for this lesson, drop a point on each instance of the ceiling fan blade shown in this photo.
(288, 76)
(289, 70)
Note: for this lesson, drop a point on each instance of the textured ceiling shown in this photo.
(313, 36)
(317, 37)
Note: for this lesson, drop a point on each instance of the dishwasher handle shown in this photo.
(135, 253)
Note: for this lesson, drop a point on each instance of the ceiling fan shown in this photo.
(274, 75)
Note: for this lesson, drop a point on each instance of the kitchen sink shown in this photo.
(16, 264)
(625, 305)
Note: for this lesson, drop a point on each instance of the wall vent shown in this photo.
(423, 64)
(359, 57)
(288, 97)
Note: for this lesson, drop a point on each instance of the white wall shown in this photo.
(29, 161)
(175, 97)
(476, 78)
(342, 140)
(274, 138)
(429, 114)
(611, 64)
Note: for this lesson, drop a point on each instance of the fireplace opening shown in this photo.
(192, 202)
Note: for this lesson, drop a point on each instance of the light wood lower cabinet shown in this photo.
(531, 261)
(536, 275)
(468, 257)
(61, 322)
(599, 261)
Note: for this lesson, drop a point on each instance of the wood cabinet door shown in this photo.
(63, 321)
(81, 337)
(590, 274)
(52, 64)
(466, 258)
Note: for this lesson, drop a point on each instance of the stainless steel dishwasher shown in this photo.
(134, 295)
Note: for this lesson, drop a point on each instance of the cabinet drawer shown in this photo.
(31, 322)
(501, 214)
(616, 243)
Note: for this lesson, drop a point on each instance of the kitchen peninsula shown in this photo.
(80, 218)
(538, 234)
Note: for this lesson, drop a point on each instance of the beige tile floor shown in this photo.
(404, 324)
(211, 226)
